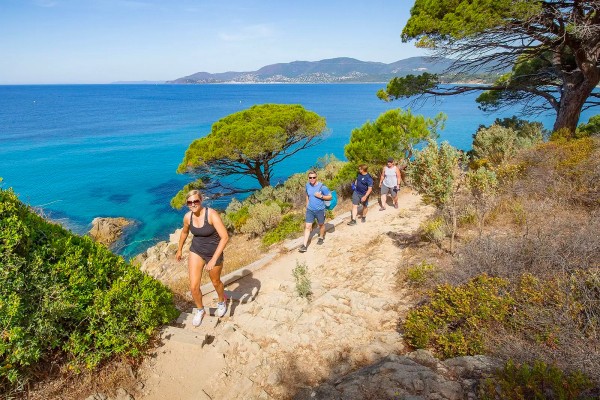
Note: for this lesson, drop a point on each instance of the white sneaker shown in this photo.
(198, 317)
(221, 309)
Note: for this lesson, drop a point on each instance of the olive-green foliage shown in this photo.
(61, 292)
(252, 141)
(502, 140)
(409, 85)
(302, 278)
(290, 226)
(236, 215)
(483, 184)
(435, 172)
(534, 382)
(433, 230)
(592, 127)
(454, 320)
(444, 19)
(261, 218)
(552, 67)
(495, 144)
(393, 134)
(420, 273)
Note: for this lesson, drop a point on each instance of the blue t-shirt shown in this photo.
(363, 183)
(315, 203)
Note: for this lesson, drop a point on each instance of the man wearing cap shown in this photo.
(389, 183)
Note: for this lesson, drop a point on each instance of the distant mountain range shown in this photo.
(334, 70)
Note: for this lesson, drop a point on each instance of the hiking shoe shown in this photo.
(302, 249)
(382, 209)
(221, 309)
(197, 320)
(320, 241)
(363, 219)
(396, 206)
(352, 222)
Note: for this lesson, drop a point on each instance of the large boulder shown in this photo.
(108, 230)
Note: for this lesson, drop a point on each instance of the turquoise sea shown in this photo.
(83, 151)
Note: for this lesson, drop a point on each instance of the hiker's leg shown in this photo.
(215, 277)
(195, 267)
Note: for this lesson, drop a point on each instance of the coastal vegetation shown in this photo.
(249, 143)
(393, 134)
(525, 287)
(66, 301)
(551, 45)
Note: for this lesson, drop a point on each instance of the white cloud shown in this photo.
(248, 33)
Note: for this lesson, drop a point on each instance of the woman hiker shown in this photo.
(206, 251)
(389, 183)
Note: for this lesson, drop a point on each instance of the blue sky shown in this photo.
(102, 41)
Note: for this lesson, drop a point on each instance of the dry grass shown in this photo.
(61, 384)
(546, 224)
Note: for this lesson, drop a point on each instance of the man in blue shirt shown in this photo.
(363, 188)
(316, 194)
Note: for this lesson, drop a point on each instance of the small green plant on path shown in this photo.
(303, 285)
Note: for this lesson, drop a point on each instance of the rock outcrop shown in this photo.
(159, 260)
(108, 230)
(417, 375)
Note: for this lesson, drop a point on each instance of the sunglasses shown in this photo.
(312, 177)
(193, 202)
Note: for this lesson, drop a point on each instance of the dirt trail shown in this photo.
(278, 343)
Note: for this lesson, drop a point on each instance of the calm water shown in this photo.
(83, 151)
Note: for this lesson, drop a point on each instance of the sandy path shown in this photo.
(279, 343)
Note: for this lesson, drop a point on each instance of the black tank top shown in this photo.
(206, 238)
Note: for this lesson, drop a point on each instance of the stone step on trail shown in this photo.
(209, 321)
(197, 337)
(241, 297)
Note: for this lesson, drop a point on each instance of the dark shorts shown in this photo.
(387, 190)
(208, 257)
(356, 199)
(311, 215)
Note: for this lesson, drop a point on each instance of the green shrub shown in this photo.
(454, 320)
(501, 141)
(290, 226)
(592, 127)
(303, 285)
(467, 216)
(420, 273)
(261, 218)
(236, 215)
(534, 382)
(61, 292)
(433, 230)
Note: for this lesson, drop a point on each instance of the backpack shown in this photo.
(330, 204)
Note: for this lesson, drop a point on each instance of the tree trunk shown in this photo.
(575, 93)
(262, 177)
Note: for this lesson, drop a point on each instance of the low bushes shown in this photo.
(454, 320)
(61, 293)
(534, 382)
